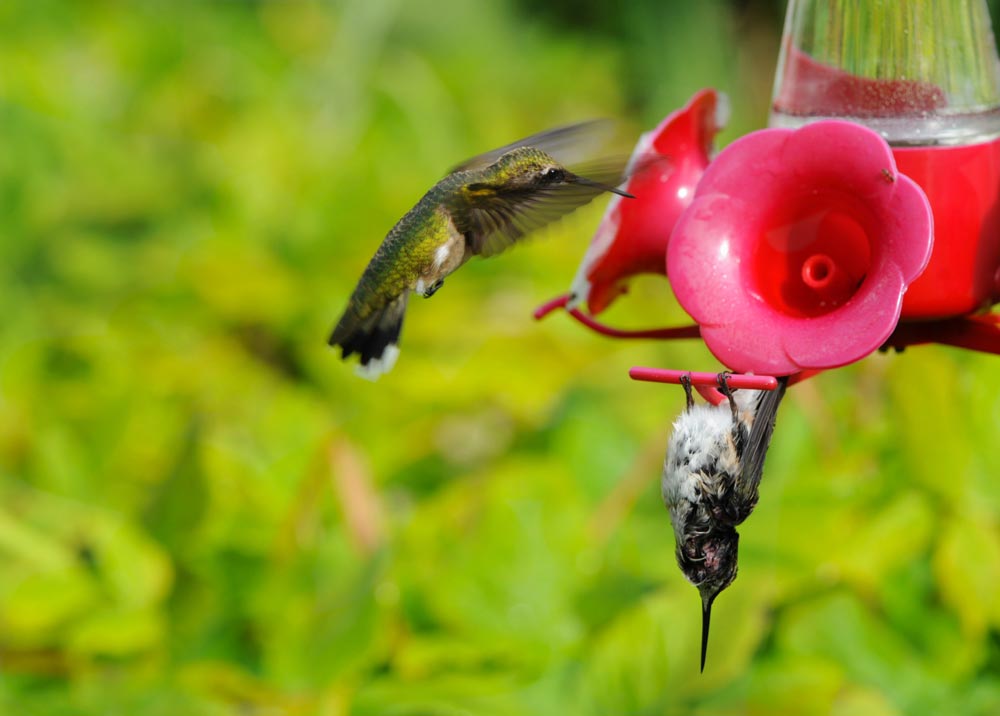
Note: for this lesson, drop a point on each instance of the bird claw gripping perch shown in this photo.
(707, 384)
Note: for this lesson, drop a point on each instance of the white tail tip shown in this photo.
(377, 366)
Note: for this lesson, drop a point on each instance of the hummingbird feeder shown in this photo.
(867, 216)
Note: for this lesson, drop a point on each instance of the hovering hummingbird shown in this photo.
(710, 483)
(482, 207)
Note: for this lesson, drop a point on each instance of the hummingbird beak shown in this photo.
(584, 181)
(706, 619)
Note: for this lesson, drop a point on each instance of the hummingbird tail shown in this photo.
(375, 339)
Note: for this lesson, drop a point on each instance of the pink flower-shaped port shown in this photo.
(798, 247)
(632, 237)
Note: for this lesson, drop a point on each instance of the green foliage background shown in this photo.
(203, 511)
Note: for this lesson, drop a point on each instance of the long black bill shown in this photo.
(706, 619)
(577, 179)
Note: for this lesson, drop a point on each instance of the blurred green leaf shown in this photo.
(938, 460)
(35, 606)
(967, 567)
(799, 685)
(116, 633)
(840, 628)
(891, 537)
(176, 509)
(863, 702)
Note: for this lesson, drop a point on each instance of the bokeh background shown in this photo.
(203, 511)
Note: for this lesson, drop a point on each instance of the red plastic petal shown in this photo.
(632, 237)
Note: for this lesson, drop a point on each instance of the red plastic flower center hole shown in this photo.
(813, 254)
(818, 272)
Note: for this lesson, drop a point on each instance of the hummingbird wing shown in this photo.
(494, 217)
(759, 439)
(569, 144)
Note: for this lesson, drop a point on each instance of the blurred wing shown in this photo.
(760, 438)
(568, 145)
(496, 218)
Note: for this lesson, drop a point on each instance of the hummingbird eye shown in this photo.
(553, 174)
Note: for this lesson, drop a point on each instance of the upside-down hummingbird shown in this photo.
(483, 206)
(711, 480)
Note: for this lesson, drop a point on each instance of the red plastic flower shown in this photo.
(798, 246)
(632, 237)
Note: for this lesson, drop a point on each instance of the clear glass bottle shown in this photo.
(919, 72)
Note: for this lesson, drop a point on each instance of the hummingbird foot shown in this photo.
(686, 382)
(723, 380)
(433, 288)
